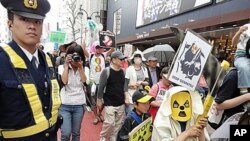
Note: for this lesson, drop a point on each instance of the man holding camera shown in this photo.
(29, 91)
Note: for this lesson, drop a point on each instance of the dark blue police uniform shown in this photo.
(15, 107)
(29, 97)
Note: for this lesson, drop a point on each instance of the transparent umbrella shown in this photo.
(164, 53)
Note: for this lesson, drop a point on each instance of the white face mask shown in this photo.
(137, 60)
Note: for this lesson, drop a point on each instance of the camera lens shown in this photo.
(76, 58)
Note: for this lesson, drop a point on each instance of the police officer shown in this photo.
(29, 92)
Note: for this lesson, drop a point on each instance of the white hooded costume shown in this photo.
(165, 128)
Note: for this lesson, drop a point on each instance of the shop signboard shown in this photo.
(149, 11)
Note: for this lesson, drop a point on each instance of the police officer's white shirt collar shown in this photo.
(29, 55)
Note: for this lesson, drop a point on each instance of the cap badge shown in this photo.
(143, 92)
(30, 4)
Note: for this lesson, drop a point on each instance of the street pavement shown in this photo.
(89, 131)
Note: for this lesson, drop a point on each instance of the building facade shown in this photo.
(74, 15)
(4, 31)
(144, 23)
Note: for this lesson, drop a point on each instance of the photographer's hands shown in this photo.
(75, 64)
(64, 76)
(68, 59)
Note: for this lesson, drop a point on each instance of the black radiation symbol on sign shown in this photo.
(141, 136)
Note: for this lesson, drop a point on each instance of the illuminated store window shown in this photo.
(117, 22)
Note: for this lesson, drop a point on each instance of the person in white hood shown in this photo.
(177, 115)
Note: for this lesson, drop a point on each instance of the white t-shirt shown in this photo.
(244, 37)
(86, 70)
(97, 64)
(132, 76)
(72, 93)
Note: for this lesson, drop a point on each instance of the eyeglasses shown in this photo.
(121, 59)
(155, 61)
(98, 47)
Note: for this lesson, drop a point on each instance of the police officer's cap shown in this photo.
(35, 9)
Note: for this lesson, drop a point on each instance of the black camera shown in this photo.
(76, 58)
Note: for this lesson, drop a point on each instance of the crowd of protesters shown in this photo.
(122, 92)
(113, 82)
(116, 93)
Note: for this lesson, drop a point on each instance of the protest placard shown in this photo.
(107, 39)
(190, 61)
(142, 132)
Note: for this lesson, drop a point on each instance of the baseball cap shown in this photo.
(152, 58)
(35, 9)
(142, 96)
(117, 54)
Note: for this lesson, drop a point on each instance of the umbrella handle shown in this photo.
(210, 97)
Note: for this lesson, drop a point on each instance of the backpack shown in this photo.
(108, 74)
(92, 55)
(136, 117)
(158, 88)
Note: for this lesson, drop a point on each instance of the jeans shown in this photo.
(243, 66)
(72, 120)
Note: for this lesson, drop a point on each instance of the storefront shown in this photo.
(145, 23)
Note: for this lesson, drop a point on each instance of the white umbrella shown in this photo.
(164, 53)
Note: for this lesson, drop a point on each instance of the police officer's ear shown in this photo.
(10, 23)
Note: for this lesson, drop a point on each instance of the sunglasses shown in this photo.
(98, 47)
(153, 61)
(121, 59)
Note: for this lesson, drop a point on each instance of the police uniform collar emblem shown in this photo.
(30, 4)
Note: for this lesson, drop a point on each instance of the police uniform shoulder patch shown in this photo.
(30, 4)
